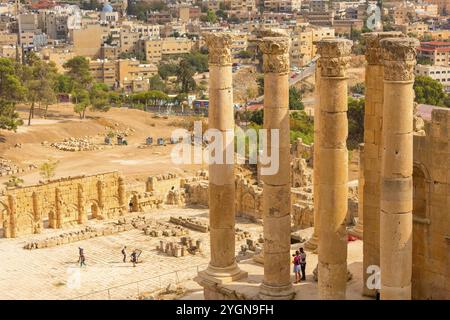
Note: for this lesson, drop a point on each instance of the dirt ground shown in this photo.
(63, 123)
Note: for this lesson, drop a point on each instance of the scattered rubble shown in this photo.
(190, 223)
(75, 144)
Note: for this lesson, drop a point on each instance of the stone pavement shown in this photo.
(53, 273)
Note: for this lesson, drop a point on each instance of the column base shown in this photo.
(267, 292)
(222, 275)
(313, 243)
(395, 293)
(259, 258)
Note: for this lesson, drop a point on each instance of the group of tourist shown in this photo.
(299, 262)
(134, 256)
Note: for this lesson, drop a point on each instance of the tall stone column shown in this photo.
(373, 124)
(222, 267)
(12, 230)
(38, 225)
(101, 199)
(333, 167)
(122, 194)
(82, 214)
(358, 229)
(396, 224)
(58, 208)
(276, 188)
(313, 242)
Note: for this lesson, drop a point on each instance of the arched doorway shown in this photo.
(421, 187)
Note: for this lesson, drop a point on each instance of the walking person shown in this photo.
(124, 254)
(134, 258)
(302, 257)
(296, 263)
(81, 257)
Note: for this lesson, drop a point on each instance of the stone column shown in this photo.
(276, 188)
(37, 213)
(58, 213)
(333, 167)
(313, 242)
(82, 214)
(122, 194)
(222, 267)
(373, 123)
(101, 199)
(396, 224)
(12, 232)
(357, 230)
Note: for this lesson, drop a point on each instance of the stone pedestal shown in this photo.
(222, 267)
(276, 194)
(333, 167)
(399, 57)
(373, 124)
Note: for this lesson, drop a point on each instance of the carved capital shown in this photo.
(219, 48)
(374, 54)
(275, 54)
(334, 56)
(399, 58)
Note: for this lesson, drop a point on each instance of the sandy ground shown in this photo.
(63, 123)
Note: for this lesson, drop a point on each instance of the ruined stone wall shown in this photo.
(62, 203)
(431, 209)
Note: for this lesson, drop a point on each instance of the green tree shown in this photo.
(185, 76)
(358, 88)
(79, 72)
(156, 83)
(40, 82)
(99, 97)
(47, 169)
(295, 99)
(81, 101)
(12, 91)
(355, 122)
(429, 91)
(166, 70)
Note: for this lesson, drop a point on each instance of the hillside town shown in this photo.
(118, 179)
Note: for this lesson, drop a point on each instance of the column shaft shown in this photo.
(397, 164)
(222, 267)
(333, 168)
(276, 188)
(373, 124)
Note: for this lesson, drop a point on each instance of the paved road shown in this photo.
(293, 79)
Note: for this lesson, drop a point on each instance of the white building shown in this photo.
(438, 73)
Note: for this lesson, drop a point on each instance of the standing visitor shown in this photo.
(124, 254)
(302, 256)
(296, 263)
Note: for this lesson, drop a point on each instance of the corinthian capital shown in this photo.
(275, 54)
(374, 54)
(399, 58)
(219, 48)
(334, 56)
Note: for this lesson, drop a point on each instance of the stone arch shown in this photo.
(93, 209)
(248, 203)
(421, 221)
(25, 223)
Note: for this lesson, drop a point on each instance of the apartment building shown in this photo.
(436, 52)
(438, 35)
(8, 39)
(443, 5)
(438, 73)
(131, 73)
(417, 29)
(282, 5)
(154, 49)
(88, 40)
(104, 71)
(244, 9)
(303, 38)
